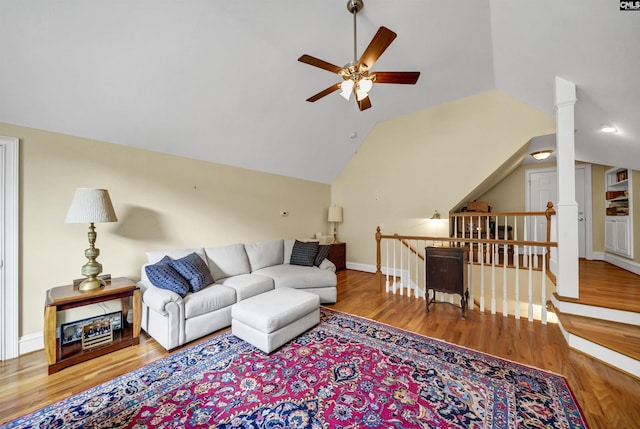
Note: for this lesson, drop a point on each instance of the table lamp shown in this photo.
(335, 216)
(91, 206)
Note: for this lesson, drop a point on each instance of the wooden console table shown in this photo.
(65, 297)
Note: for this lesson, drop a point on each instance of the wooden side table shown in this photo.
(338, 255)
(65, 297)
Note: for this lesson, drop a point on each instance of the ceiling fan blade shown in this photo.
(377, 46)
(364, 104)
(313, 61)
(408, 78)
(324, 92)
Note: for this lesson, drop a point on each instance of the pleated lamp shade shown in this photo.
(335, 214)
(91, 205)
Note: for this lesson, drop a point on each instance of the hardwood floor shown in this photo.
(596, 279)
(608, 398)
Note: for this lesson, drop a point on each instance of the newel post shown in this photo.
(378, 259)
(550, 211)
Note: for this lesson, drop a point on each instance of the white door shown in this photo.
(542, 187)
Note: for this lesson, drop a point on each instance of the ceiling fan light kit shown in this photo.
(356, 77)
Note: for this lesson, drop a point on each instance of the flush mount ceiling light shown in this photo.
(608, 129)
(357, 78)
(542, 154)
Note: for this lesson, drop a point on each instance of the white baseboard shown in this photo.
(623, 263)
(31, 343)
(361, 267)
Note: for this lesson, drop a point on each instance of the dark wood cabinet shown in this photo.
(338, 255)
(446, 271)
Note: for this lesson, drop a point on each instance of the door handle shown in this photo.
(580, 219)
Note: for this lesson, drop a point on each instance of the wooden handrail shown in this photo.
(404, 239)
(412, 249)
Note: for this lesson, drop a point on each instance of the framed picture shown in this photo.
(74, 331)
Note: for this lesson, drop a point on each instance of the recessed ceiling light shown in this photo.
(608, 129)
(353, 135)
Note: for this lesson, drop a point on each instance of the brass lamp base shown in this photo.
(91, 284)
(92, 268)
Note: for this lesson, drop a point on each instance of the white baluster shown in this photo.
(530, 290)
(471, 282)
(387, 266)
(481, 257)
(493, 280)
(415, 285)
(536, 249)
(517, 297)
(543, 306)
(505, 303)
(402, 279)
(525, 259)
(395, 273)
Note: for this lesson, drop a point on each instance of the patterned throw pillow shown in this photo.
(304, 253)
(194, 270)
(323, 252)
(161, 275)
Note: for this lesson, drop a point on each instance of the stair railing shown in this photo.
(499, 261)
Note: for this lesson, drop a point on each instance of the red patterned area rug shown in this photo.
(348, 372)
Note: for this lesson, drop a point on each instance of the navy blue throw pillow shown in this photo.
(323, 252)
(304, 253)
(194, 270)
(161, 275)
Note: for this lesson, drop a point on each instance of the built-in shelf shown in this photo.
(618, 229)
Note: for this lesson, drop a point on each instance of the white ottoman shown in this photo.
(270, 319)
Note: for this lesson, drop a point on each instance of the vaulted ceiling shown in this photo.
(219, 81)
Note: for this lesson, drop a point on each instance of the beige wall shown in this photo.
(509, 195)
(597, 205)
(161, 202)
(425, 161)
(635, 189)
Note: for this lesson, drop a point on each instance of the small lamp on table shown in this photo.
(335, 216)
(91, 206)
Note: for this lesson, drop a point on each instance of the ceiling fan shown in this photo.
(356, 75)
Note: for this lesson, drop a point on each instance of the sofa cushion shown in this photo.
(163, 276)
(211, 298)
(323, 252)
(194, 269)
(248, 285)
(304, 253)
(227, 261)
(288, 248)
(157, 255)
(265, 253)
(298, 277)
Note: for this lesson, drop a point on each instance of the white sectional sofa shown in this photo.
(219, 278)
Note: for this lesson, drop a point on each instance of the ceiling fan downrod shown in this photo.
(355, 6)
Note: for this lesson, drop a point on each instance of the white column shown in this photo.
(567, 207)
